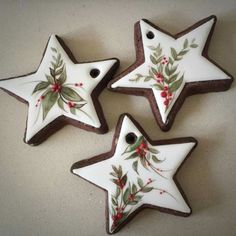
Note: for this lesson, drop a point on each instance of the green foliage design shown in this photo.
(164, 74)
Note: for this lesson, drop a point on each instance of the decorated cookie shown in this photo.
(61, 92)
(169, 68)
(138, 173)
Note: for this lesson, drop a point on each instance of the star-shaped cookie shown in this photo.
(168, 68)
(138, 173)
(61, 92)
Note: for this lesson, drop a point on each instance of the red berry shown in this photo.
(114, 217)
(80, 84)
(119, 216)
(170, 94)
(166, 102)
(165, 88)
(56, 87)
(137, 150)
(160, 192)
(163, 94)
(76, 84)
(143, 145)
(70, 104)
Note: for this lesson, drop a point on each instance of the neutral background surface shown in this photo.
(38, 194)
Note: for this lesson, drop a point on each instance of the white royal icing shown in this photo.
(193, 65)
(76, 73)
(172, 156)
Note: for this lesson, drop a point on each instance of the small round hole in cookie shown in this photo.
(130, 138)
(94, 73)
(150, 35)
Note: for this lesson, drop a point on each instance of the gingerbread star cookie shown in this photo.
(61, 92)
(169, 68)
(138, 173)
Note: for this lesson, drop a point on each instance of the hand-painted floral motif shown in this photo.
(164, 72)
(55, 90)
(147, 156)
(127, 195)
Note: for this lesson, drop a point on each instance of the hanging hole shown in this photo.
(150, 35)
(94, 73)
(130, 138)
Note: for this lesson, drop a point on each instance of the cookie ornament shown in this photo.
(168, 68)
(138, 173)
(61, 92)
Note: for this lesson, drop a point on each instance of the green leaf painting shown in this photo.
(128, 194)
(54, 91)
(164, 74)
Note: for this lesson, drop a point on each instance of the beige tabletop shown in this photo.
(38, 194)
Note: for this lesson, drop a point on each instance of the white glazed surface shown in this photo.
(194, 66)
(39, 195)
(174, 154)
(76, 73)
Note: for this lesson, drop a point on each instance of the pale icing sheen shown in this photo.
(174, 154)
(76, 73)
(194, 65)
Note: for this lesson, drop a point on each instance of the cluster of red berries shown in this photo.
(56, 88)
(142, 149)
(167, 95)
(149, 181)
(164, 61)
(159, 78)
(120, 183)
(118, 215)
(78, 84)
(71, 104)
(39, 100)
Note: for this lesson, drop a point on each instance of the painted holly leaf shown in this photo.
(132, 156)
(185, 43)
(53, 49)
(49, 100)
(135, 166)
(173, 78)
(78, 106)
(158, 86)
(193, 45)
(153, 150)
(49, 79)
(173, 53)
(153, 60)
(147, 189)
(140, 182)
(165, 74)
(154, 71)
(176, 85)
(155, 159)
(126, 195)
(61, 103)
(41, 86)
(62, 78)
(73, 110)
(132, 147)
(70, 94)
(134, 189)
